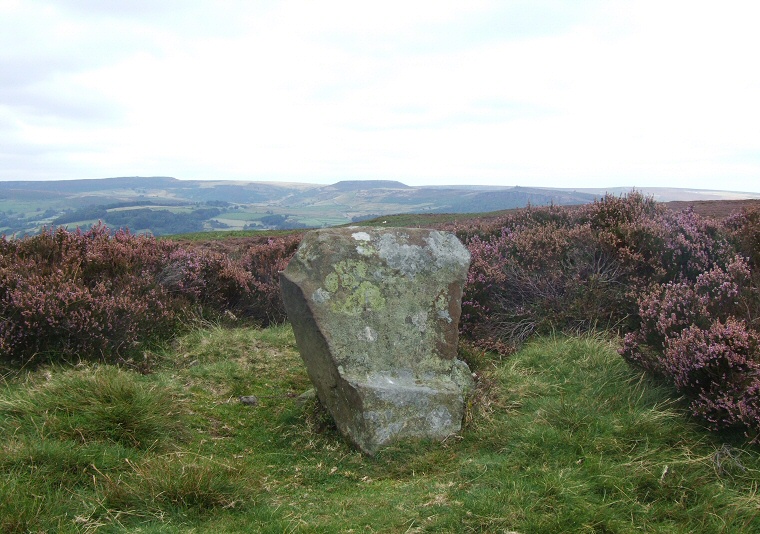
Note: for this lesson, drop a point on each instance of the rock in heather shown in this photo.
(376, 318)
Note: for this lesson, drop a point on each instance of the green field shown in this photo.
(26, 207)
(561, 437)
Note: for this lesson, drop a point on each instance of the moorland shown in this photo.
(162, 205)
(614, 345)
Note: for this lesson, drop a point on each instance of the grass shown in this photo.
(426, 220)
(214, 235)
(560, 437)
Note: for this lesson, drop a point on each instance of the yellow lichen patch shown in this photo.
(366, 297)
(348, 280)
(332, 282)
(347, 274)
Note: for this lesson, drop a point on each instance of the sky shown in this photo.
(548, 93)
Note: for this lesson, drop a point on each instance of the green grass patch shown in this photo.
(214, 235)
(423, 220)
(93, 404)
(561, 437)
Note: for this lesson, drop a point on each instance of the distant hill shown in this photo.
(464, 201)
(671, 194)
(162, 205)
(358, 185)
(88, 186)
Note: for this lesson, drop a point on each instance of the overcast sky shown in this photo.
(532, 93)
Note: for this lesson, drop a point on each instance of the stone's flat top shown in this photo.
(410, 251)
(361, 236)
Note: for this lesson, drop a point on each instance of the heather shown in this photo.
(574, 269)
(109, 296)
(702, 334)
(681, 289)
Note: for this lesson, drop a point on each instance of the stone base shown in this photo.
(394, 408)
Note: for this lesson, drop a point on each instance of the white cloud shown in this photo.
(534, 93)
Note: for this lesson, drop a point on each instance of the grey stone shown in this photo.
(376, 317)
(306, 396)
(249, 400)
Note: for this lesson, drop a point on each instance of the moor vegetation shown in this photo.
(579, 433)
(105, 296)
(683, 291)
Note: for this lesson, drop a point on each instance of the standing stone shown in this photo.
(376, 318)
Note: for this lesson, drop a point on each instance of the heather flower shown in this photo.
(104, 295)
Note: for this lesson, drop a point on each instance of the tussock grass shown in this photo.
(560, 437)
(182, 482)
(93, 404)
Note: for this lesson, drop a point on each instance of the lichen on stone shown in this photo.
(376, 315)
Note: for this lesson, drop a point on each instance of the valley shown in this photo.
(164, 205)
